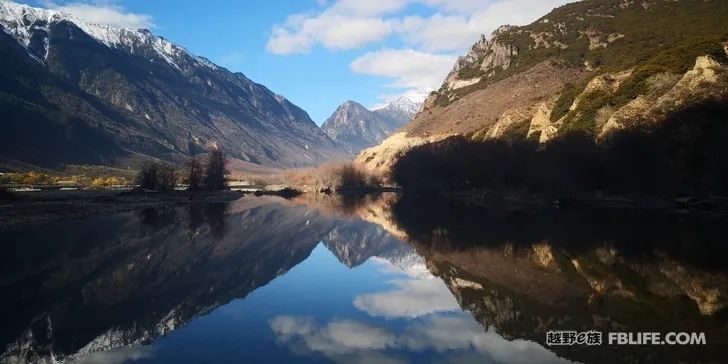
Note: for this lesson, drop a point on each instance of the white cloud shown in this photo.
(454, 25)
(459, 23)
(454, 335)
(439, 32)
(104, 12)
(430, 41)
(412, 298)
(457, 6)
(333, 31)
(407, 68)
(368, 7)
(344, 341)
(346, 24)
(446, 333)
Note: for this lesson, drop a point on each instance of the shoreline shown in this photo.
(696, 205)
(28, 208)
(22, 208)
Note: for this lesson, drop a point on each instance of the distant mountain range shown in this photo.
(355, 127)
(593, 67)
(72, 92)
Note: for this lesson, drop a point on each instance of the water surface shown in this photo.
(266, 280)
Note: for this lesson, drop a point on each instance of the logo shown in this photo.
(590, 338)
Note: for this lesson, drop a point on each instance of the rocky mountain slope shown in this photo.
(72, 92)
(594, 66)
(355, 127)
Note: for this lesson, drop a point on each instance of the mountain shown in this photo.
(595, 66)
(72, 92)
(355, 127)
(355, 242)
(405, 107)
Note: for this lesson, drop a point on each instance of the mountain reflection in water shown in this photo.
(379, 279)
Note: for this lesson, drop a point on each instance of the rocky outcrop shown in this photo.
(482, 61)
(473, 57)
(508, 120)
(380, 159)
(499, 57)
(707, 80)
(541, 125)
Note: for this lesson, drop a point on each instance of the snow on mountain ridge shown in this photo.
(410, 102)
(21, 21)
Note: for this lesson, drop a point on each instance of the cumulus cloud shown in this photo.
(454, 335)
(459, 23)
(369, 7)
(447, 333)
(104, 12)
(453, 25)
(335, 29)
(430, 40)
(407, 68)
(337, 337)
(411, 298)
(343, 341)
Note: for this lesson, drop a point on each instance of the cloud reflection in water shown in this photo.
(431, 322)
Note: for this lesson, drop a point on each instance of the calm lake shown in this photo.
(379, 280)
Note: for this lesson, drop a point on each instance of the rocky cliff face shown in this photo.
(590, 66)
(355, 127)
(73, 92)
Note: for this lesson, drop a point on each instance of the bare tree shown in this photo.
(167, 177)
(194, 173)
(157, 176)
(147, 176)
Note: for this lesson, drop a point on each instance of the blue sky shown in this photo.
(320, 53)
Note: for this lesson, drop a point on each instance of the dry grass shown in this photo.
(334, 176)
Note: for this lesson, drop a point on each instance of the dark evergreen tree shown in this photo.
(215, 171)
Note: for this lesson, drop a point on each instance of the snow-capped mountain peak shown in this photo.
(409, 103)
(30, 25)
